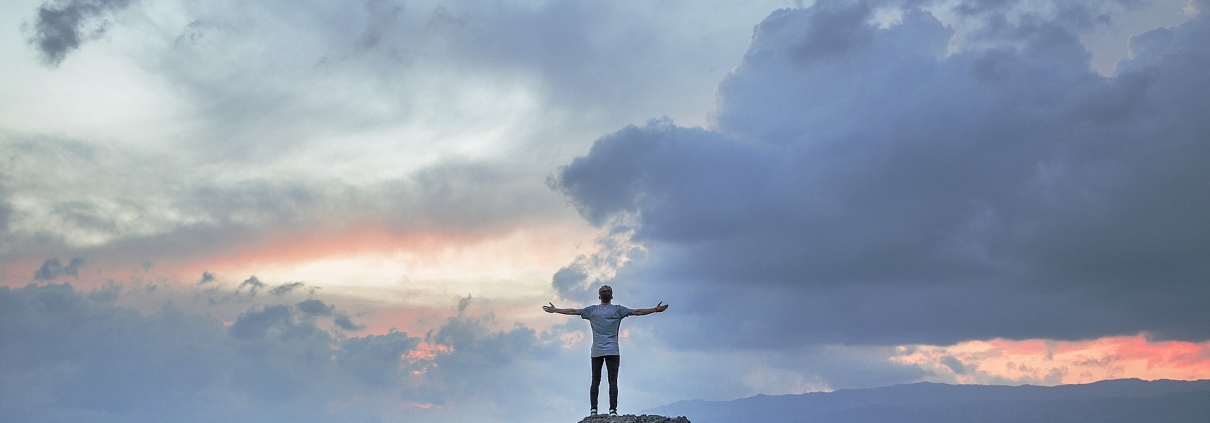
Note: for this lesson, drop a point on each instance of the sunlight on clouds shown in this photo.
(1046, 362)
(422, 356)
(420, 270)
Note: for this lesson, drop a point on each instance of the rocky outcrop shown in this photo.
(631, 418)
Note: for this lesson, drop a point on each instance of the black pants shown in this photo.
(611, 362)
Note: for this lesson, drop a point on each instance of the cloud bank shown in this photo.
(864, 184)
(275, 121)
(80, 356)
(53, 268)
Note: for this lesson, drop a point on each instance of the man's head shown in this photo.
(605, 293)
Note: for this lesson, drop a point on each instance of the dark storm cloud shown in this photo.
(863, 185)
(63, 25)
(74, 356)
(53, 268)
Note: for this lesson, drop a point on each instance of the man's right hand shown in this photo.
(550, 308)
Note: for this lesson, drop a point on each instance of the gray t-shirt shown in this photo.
(605, 319)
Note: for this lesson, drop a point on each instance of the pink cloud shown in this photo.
(1046, 362)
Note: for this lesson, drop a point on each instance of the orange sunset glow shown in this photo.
(1063, 362)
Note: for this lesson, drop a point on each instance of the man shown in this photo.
(605, 319)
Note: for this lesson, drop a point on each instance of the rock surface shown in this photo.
(631, 418)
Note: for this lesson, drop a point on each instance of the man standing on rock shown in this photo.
(606, 320)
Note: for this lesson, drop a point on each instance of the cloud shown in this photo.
(285, 288)
(344, 322)
(579, 280)
(207, 277)
(61, 26)
(464, 71)
(448, 115)
(53, 268)
(6, 209)
(72, 355)
(1047, 362)
(115, 203)
(252, 283)
(490, 364)
(255, 324)
(375, 359)
(864, 184)
(954, 364)
(982, 6)
(313, 307)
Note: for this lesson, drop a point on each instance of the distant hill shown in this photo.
(1110, 401)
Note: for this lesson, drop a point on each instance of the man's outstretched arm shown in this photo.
(642, 311)
(568, 311)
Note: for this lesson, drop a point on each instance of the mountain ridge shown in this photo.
(1108, 401)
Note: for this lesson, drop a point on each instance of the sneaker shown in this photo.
(613, 412)
(592, 412)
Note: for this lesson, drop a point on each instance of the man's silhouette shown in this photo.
(606, 320)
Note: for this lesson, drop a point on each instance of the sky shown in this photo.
(328, 211)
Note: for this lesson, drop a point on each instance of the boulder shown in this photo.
(631, 418)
